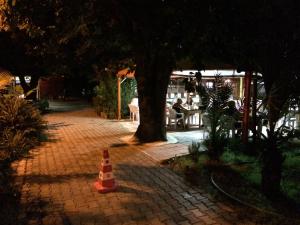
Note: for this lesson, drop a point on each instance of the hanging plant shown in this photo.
(189, 85)
(198, 76)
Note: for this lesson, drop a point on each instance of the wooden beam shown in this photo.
(241, 87)
(38, 91)
(119, 97)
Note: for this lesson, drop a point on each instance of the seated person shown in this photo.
(189, 101)
(178, 107)
(233, 112)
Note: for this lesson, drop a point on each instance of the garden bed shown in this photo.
(237, 179)
(9, 197)
(232, 184)
(21, 129)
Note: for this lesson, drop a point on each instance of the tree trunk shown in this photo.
(271, 171)
(152, 74)
(272, 159)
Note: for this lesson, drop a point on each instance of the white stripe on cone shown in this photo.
(106, 176)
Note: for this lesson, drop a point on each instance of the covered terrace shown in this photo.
(245, 87)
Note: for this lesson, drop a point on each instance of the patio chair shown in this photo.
(297, 120)
(228, 124)
(291, 120)
(174, 118)
(190, 117)
(134, 112)
(205, 124)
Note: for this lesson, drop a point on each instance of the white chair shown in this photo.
(291, 120)
(205, 124)
(191, 116)
(134, 112)
(131, 116)
(228, 124)
(174, 117)
(134, 101)
(297, 120)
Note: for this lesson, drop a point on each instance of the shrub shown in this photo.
(237, 158)
(216, 101)
(14, 143)
(195, 150)
(106, 96)
(215, 145)
(106, 99)
(234, 144)
(20, 126)
(128, 92)
(42, 105)
(97, 104)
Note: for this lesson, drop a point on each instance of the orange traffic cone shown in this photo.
(106, 182)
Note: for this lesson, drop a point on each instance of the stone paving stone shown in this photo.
(197, 212)
(57, 179)
(207, 220)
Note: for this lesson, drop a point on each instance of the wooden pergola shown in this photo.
(249, 78)
(122, 75)
(209, 75)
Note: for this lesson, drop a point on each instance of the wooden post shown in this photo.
(254, 107)
(248, 76)
(119, 98)
(241, 87)
(38, 94)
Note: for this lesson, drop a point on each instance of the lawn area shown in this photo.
(238, 175)
(245, 171)
(249, 168)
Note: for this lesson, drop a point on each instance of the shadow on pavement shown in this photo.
(67, 106)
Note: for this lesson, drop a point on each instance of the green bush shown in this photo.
(20, 127)
(216, 101)
(128, 92)
(232, 157)
(106, 99)
(15, 143)
(42, 105)
(106, 96)
(215, 145)
(195, 151)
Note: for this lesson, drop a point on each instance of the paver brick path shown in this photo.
(57, 180)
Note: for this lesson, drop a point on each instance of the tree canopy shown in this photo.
(70, 38)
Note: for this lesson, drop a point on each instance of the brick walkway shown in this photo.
(58, 180)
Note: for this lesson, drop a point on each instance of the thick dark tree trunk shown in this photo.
(152, 74)
(271, 171)
(272, 159)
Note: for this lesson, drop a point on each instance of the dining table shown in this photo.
(189, 113)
